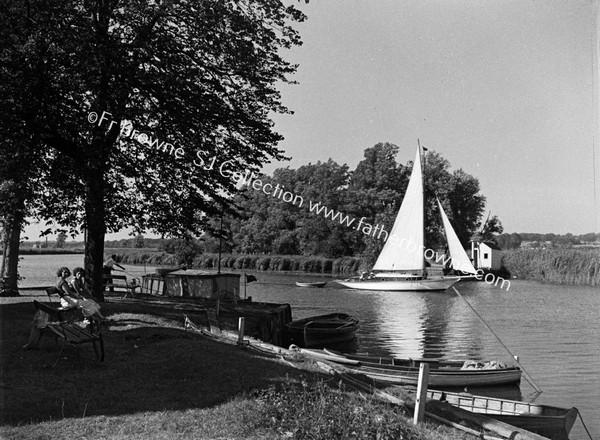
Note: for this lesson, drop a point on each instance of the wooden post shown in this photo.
(218, 306)
(241, 324)
(421, 393)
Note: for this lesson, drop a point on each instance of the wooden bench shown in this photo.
(52, 291)
(65, 327)
(69, 313)
(119, 284)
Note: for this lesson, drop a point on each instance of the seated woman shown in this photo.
(89, 307)
(70, 298)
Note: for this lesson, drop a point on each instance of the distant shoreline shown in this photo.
(568, 266)
(49, 251)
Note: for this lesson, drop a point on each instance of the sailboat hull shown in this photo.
(400, 285)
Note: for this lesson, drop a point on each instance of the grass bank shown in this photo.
(161, 382)
(560, 266)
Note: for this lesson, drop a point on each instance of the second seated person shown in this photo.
(89, 307)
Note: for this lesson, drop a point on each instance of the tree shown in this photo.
(375, 191)
(136, 99)
(509, 241)
(467, 207)
(138, 242)
(60, 240)
(21, 154)
(588, 238)
(11, 218)
(491, 227)
(323, 184)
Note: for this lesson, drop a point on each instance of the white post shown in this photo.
(241, 323)
(421, 393)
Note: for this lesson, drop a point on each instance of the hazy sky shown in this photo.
(502, 89)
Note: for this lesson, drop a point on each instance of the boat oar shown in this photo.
(527, 376)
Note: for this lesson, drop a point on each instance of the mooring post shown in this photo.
(241, 323)
(421, 393)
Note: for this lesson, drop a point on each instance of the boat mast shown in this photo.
(424, 212)
(595, 57)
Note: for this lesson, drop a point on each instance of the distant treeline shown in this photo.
(533, 240)
(560, 266)
(49, 251)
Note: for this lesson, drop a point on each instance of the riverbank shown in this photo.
(159, 381)
(557, 266)
(569, 266)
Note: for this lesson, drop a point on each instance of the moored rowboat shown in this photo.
(322, 330)
(317, 284)
(549, 421)
(441, 373)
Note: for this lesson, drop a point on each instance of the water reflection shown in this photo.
(421, 324)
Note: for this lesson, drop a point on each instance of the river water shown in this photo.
(555, 330)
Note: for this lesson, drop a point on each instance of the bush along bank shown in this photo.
(559, 266)
(275, 263)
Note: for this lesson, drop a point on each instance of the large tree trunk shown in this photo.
(96, 229)
(4, 250)
(11, 274)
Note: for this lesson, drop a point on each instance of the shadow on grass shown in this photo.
(151, 364)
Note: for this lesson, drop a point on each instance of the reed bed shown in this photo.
(275, 263)
(559, 266)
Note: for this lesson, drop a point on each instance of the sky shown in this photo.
(502, 89)
(505, 90)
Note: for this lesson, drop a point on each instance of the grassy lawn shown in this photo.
(159, 381)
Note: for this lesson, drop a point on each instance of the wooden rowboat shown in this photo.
(445, 374)
(322, 330)
(549, 421)
(317, 284)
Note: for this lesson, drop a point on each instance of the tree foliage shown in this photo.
(198, 79)
(509, 241)
(371, 194)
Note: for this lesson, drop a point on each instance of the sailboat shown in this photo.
(401, 264)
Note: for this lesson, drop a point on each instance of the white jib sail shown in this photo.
(460, 259)
(404, 247)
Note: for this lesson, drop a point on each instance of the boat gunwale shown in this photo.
(438, 372)
(558, 424)
(452, 368)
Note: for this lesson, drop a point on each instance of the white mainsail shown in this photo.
(460, 259)
(403, 249)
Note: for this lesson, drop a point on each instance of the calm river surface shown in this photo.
(555, 330)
